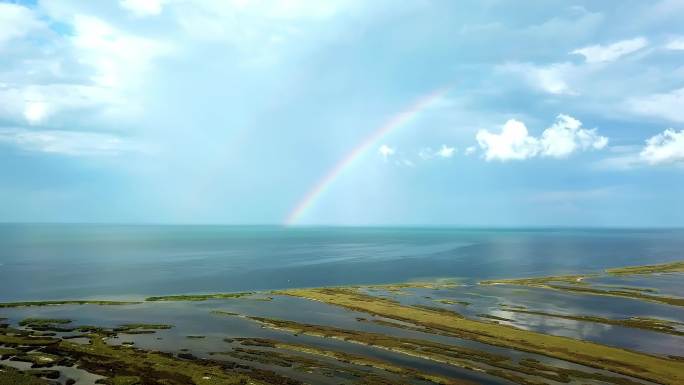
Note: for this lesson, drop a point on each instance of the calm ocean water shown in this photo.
(82, 261)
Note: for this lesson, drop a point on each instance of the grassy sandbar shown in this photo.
(617, 360)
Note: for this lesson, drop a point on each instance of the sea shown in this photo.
(81, 261)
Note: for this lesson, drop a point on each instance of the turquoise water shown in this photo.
(82, 261)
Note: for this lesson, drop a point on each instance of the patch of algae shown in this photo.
(630, 363)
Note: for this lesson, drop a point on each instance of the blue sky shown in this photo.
(212, 111)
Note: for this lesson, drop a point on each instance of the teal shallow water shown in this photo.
(84, 261)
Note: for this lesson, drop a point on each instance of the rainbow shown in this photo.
(391, 124)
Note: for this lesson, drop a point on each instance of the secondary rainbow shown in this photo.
(391, 124)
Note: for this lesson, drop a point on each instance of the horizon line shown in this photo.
(342, 225)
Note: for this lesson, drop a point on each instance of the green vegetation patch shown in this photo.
(7, 352)
(12, 376)
(468, 358)
(673, 267)
(121, 380)
(630, 363)
(452, 302)
(121, 365)
(140, 328)
(495, 318)
(223, 312)
(26, 340)
(352, 359)
(160, 368)
(443, 283)
(43, 322)
(306, 358)
(198, 297)
(39, 359)
(67, 302)
(674, 301)
(646, 323)
(631, 288)
(576, 283)
(539, 281)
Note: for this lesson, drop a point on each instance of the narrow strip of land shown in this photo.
(524, 372)
(197, 297)
(673, 267)
(66, 302)
(652, 324)
(578, 283)
(639, 365)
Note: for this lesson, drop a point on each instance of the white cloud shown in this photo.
(97, 67)
(666, 147)
(560, 140)
(513, 142)
(566, 136)
(668, 105)
(607, 53)
(551, 79)
(443, 152)
(117, 57)
(568, 78)
(34, 104)
(67, 142)
(470, 150)
(16, 21)
(386, 151)
(446, 152)
(142, 8)
(675, 44)
(35, 111)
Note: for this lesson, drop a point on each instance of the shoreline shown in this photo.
(53, 337)
(436, 283)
